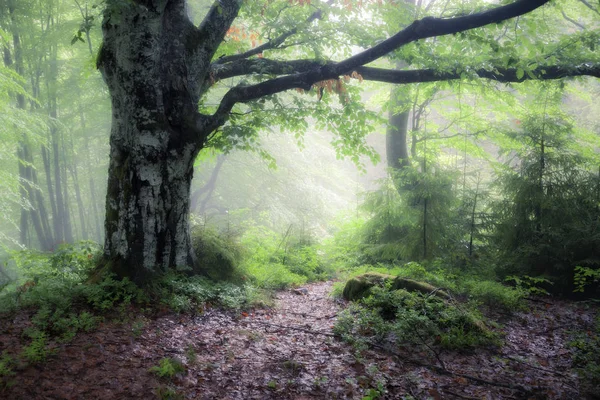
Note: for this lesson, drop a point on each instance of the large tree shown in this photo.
(158, 67)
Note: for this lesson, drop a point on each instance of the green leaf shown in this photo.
(520, 73)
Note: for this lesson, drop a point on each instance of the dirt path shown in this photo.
(257, 356)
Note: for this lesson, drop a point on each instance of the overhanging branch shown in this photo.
(420, 29)
(506, 75)
(274, 67)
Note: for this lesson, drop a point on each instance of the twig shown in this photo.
(535, 367)
(536, 300)
(295, 328)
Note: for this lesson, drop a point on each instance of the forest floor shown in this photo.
(276, 353)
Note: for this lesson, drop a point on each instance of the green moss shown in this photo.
(411, 285)
(360, 286)
(218, 256)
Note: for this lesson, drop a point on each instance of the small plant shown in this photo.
(373, 394)
(585, 276)
(137, 327)
(272, 384)
(168, 393)
(530, 284)
(168, 368)
(7, 365)
(37, 351)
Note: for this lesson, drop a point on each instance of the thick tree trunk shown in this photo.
(144, 63)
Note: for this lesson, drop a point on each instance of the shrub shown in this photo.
(412, 319)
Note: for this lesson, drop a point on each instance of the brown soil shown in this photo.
(276, 354)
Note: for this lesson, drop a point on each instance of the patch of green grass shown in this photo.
(494, 294)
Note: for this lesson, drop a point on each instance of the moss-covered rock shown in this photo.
(217, 256)
(411, 285)
(360, 286)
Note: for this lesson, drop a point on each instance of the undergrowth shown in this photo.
(465, 285)
(413, 321)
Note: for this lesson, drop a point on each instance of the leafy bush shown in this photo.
(183, 293)
(494, 294)
(276, 262)
(585, 276)
(70, 262)
(37, 350)
(412, 319)
(7, 367)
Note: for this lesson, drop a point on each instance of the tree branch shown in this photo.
(588, 5)
(271, 44)
(566, 17)
(215, 25)
(420, 29)
(505, 75)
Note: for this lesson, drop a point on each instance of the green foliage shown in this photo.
(70, 262)
(7, 367)
(168, 368)
(276, 262)
(477, 288)
(37, 351)
(585, 276)
(412, 319)
(494, 294)
(546, 224)
(530, 284)
(586, 359)
(191, 293)
(169, 393)
(111, 292)
(412, 216)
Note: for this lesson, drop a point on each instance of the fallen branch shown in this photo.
(294, 328)
(536, 367)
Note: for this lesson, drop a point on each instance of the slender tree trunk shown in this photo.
(208, 189)
(472, 230)
(397, 131)
(92, 184)
(80, 208)
(29, 188)
(86, 141)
